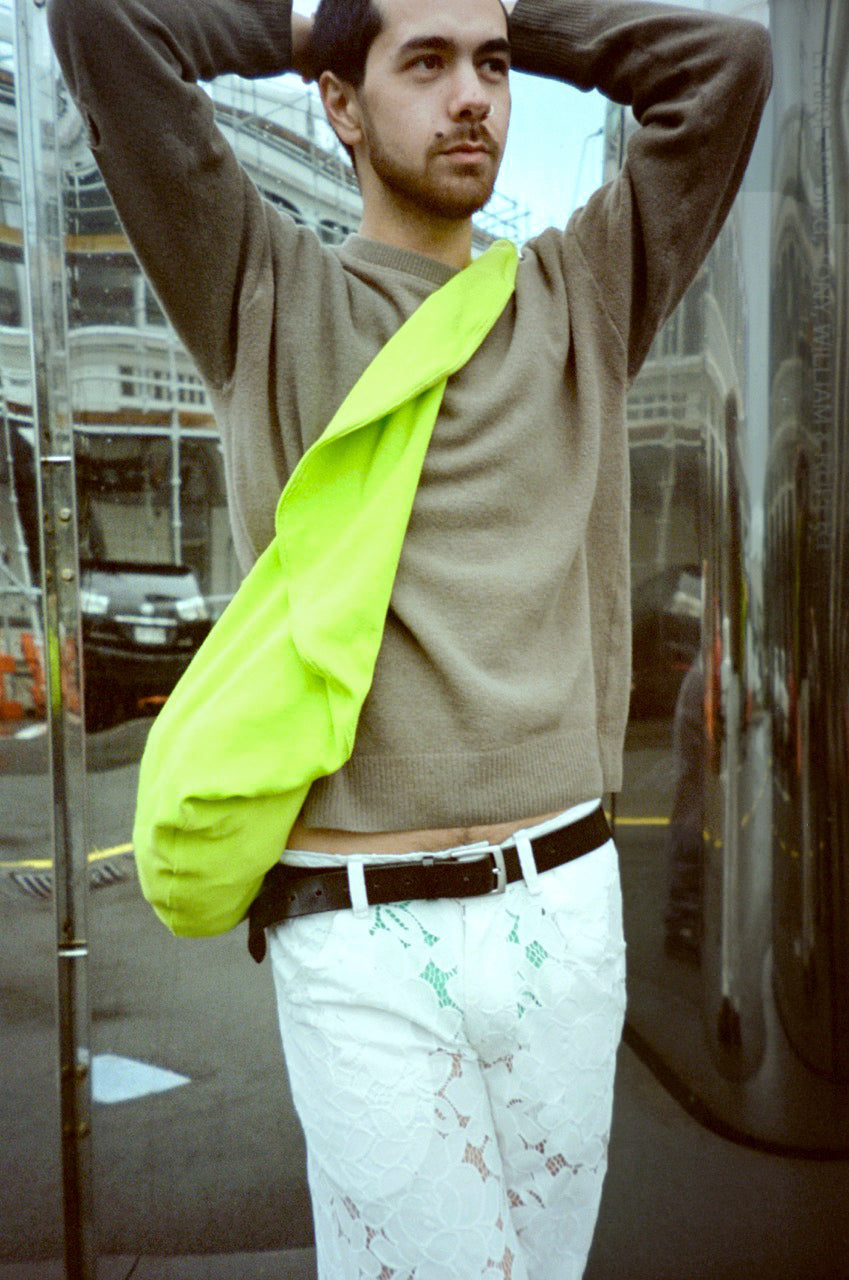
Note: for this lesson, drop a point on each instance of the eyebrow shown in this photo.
(441, 44)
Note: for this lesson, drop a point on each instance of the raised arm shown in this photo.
(194, 219)
(697, 83)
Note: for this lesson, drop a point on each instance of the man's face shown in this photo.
(435, 103)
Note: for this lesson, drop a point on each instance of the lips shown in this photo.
(472, 147)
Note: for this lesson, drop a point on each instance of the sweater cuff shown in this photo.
(272, 20)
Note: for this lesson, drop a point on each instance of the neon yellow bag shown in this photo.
(272, 698)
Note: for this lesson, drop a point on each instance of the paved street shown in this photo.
(198, 1166)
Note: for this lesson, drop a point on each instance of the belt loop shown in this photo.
(527, 862)
(357, 886)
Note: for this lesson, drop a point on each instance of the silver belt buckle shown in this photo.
(472, 852)
(500, 870)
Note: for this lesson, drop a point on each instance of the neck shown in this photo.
(446, 240)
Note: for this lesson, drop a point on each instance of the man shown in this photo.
(451, 1060)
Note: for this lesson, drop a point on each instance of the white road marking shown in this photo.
(116, 1079)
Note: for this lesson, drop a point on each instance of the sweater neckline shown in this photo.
(378, 254)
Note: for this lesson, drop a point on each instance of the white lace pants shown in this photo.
(452, 1066)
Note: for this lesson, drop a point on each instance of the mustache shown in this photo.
(472, 135)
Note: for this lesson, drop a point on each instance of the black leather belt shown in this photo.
(300, 891)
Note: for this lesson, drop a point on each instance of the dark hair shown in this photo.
(343, 31)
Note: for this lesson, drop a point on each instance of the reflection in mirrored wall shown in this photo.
(732, 823)
(808, 540)
(30, 1204)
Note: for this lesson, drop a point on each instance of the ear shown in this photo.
(342, 108)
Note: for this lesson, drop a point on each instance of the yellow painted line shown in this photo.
(100, 855)
(46, 864)
(641, 822)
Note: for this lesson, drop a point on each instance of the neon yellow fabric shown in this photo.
(272, 698)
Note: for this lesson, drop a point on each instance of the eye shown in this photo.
(427, 62)
(495, 68)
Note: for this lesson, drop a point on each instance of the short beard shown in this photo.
(416, 189)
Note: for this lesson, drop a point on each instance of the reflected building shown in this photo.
(691, 507)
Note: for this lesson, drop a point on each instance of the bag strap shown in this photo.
(342, 517)
(436, 340)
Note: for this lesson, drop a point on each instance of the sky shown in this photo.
(552, 163)
(553, 160)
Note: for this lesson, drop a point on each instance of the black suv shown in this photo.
(141, 625)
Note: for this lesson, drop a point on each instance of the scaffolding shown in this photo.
(279, 131)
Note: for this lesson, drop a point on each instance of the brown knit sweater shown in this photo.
(502, 685)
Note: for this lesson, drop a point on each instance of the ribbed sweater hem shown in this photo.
(459, 788)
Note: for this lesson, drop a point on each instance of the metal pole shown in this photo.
(175, 510)
(43, 239)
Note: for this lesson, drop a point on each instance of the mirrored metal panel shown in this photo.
(808, 536)
(732, 824)
(44, 1022)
